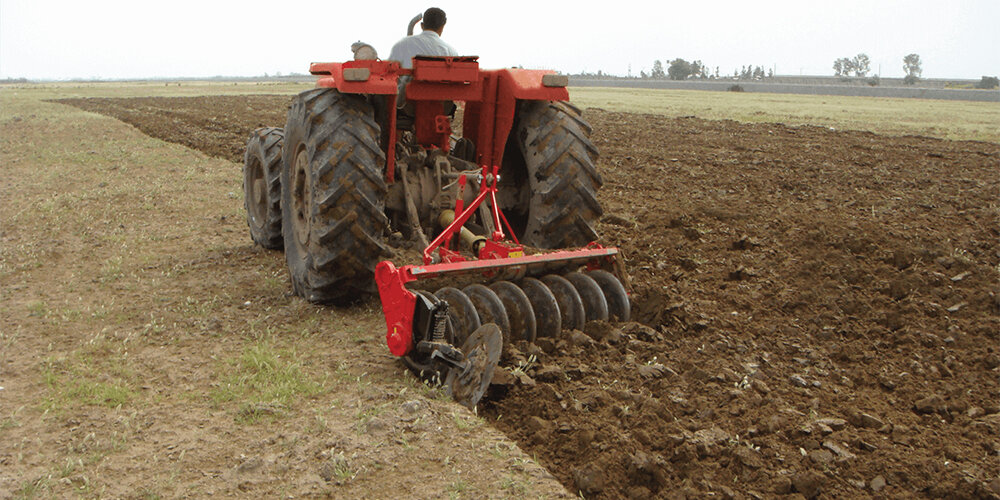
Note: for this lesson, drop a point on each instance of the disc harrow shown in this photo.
(517, 309)
(456, 336)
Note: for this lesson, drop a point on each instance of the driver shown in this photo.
(427, 43)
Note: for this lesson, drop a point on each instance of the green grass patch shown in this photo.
(34, 489)
(514, 486)
(264, 381)
(38, 309)
(9, 423)
(98, 393)
(98, 374)
(458, 487)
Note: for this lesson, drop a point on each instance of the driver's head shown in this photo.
(434, 20)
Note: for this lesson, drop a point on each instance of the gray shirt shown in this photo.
(427, 43)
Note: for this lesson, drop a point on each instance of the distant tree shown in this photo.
(699, 70)
(642, 74)
(716, 72)
(988, 83)
(874, 81)
(679, 69)
(657, 71)
(911, 65)
(861, 65)
(843, 67)
(770, 73)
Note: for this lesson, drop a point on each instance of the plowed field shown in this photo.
(816, 311)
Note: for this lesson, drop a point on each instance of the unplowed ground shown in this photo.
(816, 311)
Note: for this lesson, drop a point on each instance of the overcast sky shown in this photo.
(42, 39)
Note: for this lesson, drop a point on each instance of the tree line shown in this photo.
(681, 69)
(860, 65)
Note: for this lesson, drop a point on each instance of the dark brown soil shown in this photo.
(817, 311)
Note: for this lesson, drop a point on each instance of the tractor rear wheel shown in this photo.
(262, 186)
(333, 196)
(562, 175)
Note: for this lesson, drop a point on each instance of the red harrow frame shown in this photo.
(496, 256)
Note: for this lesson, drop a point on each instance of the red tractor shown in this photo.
(359, 175)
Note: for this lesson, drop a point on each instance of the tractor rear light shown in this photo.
(555, 80)
(357, 74)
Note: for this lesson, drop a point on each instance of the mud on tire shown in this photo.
(562, 175)
(262, 186)
(333, 196)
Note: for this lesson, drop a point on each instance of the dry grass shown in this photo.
(959, 120)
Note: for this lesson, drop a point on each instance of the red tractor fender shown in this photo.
(359, 77)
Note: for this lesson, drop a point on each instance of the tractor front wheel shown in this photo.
(262, 186)
(333, 196)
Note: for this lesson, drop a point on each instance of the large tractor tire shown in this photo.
(333, 196)
(562, 175)
(262, 186)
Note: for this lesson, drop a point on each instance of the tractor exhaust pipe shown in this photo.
(413, 22)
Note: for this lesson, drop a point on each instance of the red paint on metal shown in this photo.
(462, 69)
(430, 130)
(398, 306)
(456, 225)
(498, 250)
(384, 75)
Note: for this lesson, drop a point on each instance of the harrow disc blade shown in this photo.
(594, 303)
(548, 320)
(519, 311)
(482, 352)
(490, 308)
(619, 308)
(462, 312)
(570, 305)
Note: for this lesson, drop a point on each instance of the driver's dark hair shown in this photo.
(434, 19)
